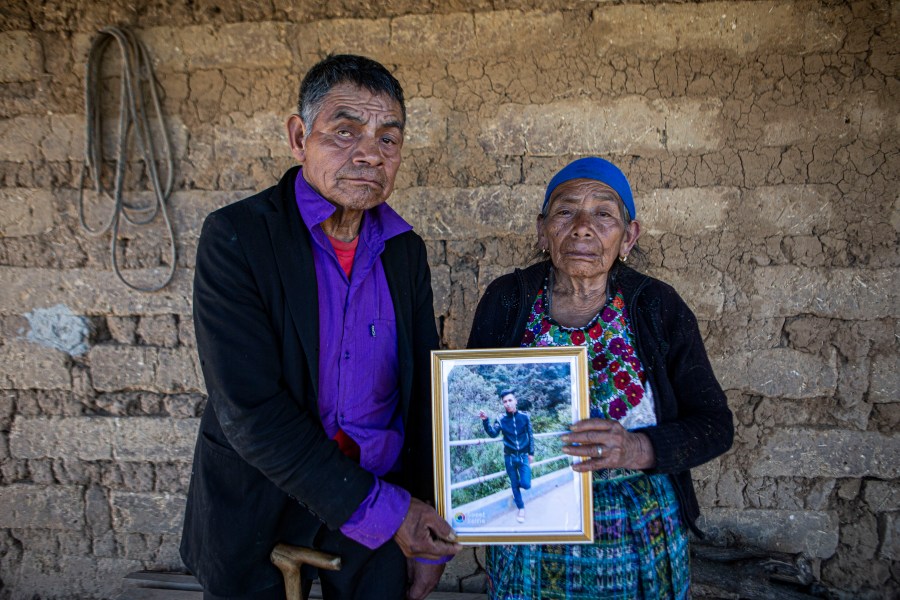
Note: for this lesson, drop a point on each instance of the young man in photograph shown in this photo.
(518, 446)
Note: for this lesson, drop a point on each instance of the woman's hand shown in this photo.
(605, 444)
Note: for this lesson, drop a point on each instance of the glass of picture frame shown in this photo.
(500, 473)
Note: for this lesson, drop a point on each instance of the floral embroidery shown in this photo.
(617, 409)
(622, 379)
(634, 393)
(616, 374)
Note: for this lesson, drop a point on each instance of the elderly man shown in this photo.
(314, 320)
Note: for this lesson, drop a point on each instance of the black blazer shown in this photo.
(264, 470)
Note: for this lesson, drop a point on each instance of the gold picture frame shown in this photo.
(475, 473)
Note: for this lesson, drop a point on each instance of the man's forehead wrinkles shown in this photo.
(346, 113)
(362, 113)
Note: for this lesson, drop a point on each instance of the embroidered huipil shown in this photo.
(358, 365)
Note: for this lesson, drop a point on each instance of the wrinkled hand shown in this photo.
(619, 448)
(424, 534)
(482, 415)
(421, 578)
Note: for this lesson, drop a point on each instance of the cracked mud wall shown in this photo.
(762, 142)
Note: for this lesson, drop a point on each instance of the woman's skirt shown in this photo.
(640, 550)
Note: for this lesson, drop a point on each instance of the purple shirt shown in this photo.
(358, 364)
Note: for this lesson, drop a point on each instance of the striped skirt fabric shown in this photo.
(640, 550)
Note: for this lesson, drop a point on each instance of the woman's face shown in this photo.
(584, 229)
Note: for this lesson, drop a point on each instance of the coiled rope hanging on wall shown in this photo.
(136, 68)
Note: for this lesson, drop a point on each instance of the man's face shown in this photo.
(509, 403)
(351, 152)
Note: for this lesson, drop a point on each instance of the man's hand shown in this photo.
(421, 578)
(424, 534)
(530, 458)
(482, 415)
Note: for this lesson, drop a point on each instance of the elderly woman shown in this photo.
(656, 408)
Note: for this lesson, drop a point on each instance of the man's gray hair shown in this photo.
(344, 68)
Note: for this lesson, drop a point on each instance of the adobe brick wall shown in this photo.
(761, 138)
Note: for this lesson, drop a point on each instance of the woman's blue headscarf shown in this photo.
(597, 169)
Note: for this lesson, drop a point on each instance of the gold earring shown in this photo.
(624, 258)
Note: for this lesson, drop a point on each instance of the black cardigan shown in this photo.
(694, 423)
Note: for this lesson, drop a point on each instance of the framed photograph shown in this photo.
(500, 474)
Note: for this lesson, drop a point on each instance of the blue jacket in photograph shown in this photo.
(518, 436)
